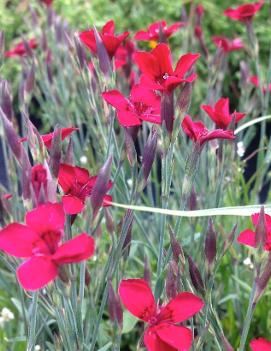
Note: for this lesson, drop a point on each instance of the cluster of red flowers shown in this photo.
(41, 241)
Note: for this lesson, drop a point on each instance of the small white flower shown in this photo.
(130, 182)
(37, 348)
(248, 262)
(240, 149)
(84, 159)
(6, 314)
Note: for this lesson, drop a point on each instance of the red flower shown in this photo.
(244, 12)
(123, 55)
(38, 178)
(260, 344)
(20, 49)
(143, 104)
(110, 40)
(39, 241)
(255, 81)
(47, 2)
(220, 113)
(152, 33)
(197, 132)
(77, 186)
(161, 333)
(228, 45)
(157, 70)
(248, 237)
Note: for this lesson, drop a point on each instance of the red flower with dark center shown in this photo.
(142, 105)
(260, 344)
(255, 81)
(197, 132)
(39, 241)
(228, 45)
(77, 186)
(244, 12)
(156, 67)
(161, 333)
(110, 40)
(20, 49)
(220, 113)
(248, 237)
(152, 33)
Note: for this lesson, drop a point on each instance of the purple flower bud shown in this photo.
(171, 281)
(30, 80)
(262, 280)
(55, 152)
(230, 239)
(6, 99)
(114, 306)
(167, 110)
(101, 186)
(192, 200)
(260, 232)
(11, 136)
(149, 154)
(80, 51)
(176, 247)
(26, 175)
(210, 243)
(130, 147)
(104, 60)
(147, 271)
(128, 239)
(69, 157)
(195, 276)
(109, 221)
(184, 98)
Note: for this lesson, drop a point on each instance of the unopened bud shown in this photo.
(114, 306)
(260, 232)
(6, 99)
(184, 98)
(262, 280)
(171, 281)
(149, 154)
(195, 275)
(167, 111)
(175, 246)
(69, 157)
(130, 147)
(109, 221)
(55, 152)
(101, 186)
(210, 243)
(80, 51)
(104, 60)
(192, 201)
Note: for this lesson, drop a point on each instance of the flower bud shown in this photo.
(195, 275)
(167, 111)
(69, 157)
(109, 221)
(38, 179)
(6, 99)
(210, 243)
(130, 147)
(149, 154)
(104, 60)
(176, 247)
(184, 98)
(262, 280)
(114, 306)
(171, 280)
(260, 232)
(55, 152)
(80, 51)
(101, 186)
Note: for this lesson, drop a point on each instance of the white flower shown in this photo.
(37, 348)
(248, 262)
(130, 182)
(83, 159)
(240, 149)
(6, 314)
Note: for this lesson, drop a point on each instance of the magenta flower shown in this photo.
(39, 242)
(124, 53)
(256, 82)
(244, 12)
(228, 45)
(20, 49)
(260, 344)
(248, 237)
(38, 179)
(77, 186)
(197, 132)
(152, 33)
(161, 332)
(156, 67)
(220, 113)
(142, 105)
(110, 40)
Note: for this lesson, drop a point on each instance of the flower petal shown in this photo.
(17, 240)
(181, 308)
(185, 63)
(36, 272)
(260, 344)
(75, 250)
(45, 218)
(147, 63)
(116, 99)
(154, 343)
(137, 297)
(178, 337)
(247, 237)
(128, 119)
(72, 204)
